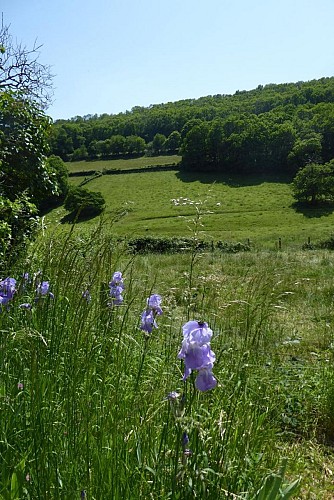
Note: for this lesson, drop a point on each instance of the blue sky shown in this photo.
(111, 55)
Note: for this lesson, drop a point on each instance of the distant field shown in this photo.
(144, 161)
(260, 210)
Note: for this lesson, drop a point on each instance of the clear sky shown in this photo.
(111, 55)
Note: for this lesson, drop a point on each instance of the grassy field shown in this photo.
(233, 209)
(84, 391)
(142, 162)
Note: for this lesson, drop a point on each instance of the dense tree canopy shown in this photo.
(273, 127)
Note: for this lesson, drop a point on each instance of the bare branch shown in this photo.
(21, 71)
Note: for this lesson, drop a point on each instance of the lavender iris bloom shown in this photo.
(43, 290)
(154, 302)
(116, 287)
(148, 321)
(205, 380)
(7, 291)
(148, 316)
(197, 354)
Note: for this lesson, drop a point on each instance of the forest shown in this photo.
(274, 128)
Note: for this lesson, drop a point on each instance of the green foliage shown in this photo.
(314, 182)
(149, 244)
(83, 203)
(83, 393)
(80, 153)
(273, 128)
(60, 172)
(18, 223)
(26, 177)
(23, 148)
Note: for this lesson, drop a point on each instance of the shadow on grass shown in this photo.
(74, 218)
(314, 210)
(232, 180)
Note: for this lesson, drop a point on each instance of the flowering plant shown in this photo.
(116, 287)
(197, 354)
(152, 310)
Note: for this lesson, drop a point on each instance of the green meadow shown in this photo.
(95, 407)
(234, 209)
(122, 164)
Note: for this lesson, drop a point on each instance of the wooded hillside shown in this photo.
(276, 127)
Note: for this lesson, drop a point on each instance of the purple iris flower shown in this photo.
(148, 316)
(197, 354)
(117, 279)
(196, 357)
(43, 289)
(148, 321)
(185, 440)
(8, 288)
(154, 302)
(7, 291)
(116, 287)
(205, 380)
(196, 331)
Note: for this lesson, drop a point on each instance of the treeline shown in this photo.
(276, 126)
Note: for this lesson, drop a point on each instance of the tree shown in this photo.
(314, 182)
(173, 142)
(305, 151)
(194, 148)
(158, 143)
(26, 178)
(135, 144)
(23, 150)
(20, 70)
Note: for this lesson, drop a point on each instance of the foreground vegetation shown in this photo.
(84, 391)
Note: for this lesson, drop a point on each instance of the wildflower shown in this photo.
(83, 494)
(148, 321)
(7, 291)
(20, 386)
(186, 451)
(197, 354)
(43, 290)
(116, 287)
(152, 310)
(154, 302)
(205, 380)
(173, 396)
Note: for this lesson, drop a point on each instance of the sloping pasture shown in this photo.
(164, 203)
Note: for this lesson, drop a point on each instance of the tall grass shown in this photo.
(84, 392)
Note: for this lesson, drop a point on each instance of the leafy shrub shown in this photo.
(325, 244)
(229, 247)
(150, 244)
(84, 203)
